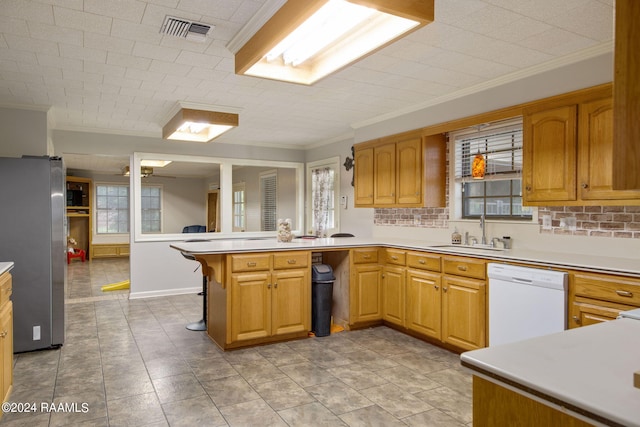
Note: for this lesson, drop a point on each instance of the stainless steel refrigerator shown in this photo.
(33, 236)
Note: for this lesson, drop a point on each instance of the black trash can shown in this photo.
(321, 299)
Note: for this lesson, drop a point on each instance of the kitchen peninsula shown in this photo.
(259, 290)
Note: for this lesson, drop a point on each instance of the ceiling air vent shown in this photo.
(196, 31)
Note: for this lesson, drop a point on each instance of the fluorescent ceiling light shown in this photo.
(306, 40)
(198, 125)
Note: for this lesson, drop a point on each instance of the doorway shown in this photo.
(212, 211)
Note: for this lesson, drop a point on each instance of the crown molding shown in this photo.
(255, 23)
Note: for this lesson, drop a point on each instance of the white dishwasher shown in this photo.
(525, 302)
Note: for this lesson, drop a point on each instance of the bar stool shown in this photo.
(200, 325)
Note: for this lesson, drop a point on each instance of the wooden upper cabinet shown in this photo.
(409, 171)
(363, 180)
(595, 150)
(549, 150)
(406, 170)
(384, 165)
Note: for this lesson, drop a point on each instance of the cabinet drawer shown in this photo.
(250, 262)
(290, 260)
(618, 289)
(363, 256)
(5, 288)
(396, 256)
(467, 267)
(423, 261)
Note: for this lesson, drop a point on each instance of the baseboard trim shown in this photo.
(165, 292)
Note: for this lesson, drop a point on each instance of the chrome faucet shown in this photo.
(483, 225)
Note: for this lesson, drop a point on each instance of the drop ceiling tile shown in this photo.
(123, 82)
(57, 61)
(130, 10)
(55, 82)
(154, 15)
(79, 20)
(186, 45)
(223, 9)
(83, 53)
(200, 73)
(169, 68)
(519, 29)
(21, 76)
(55, 34)
(486, 19)
(100, 88)
(198, 60)
(145, 76)
(82, 76)
(593, 20)
(180, 81)
(14, 26)
(71, 4)
(104, 69)
(41, 70)
(18, 56)
(29, 10)
(557, 42)
(30, 45)
(108, 43)
(456, 10)
(141, 33)
(124, 60)
(521, 57)
(147, 50)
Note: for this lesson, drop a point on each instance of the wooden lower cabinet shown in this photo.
(424, 302)
(596, 298)
(110, 250)
(393, 295)
(366, 294)
(464, 312)
(269, 304)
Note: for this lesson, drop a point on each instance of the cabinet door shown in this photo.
(409, 166)
(290, 302)
(393, 295)
(424, 300)
(6, 349)
(384, 165)
(549, 146)
(250, 306)
(590, 313)
(596, 153)
(367, 295)
(363, 179)
(463, 312)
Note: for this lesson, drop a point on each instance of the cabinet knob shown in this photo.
(528, 188)
(275, 285)
(462, 267)
(3, 334)
(395, 258)
(436, 287)
(251, 264)
(444, 289)
(383, 276)
(585, 185)
(291, 261)
(268, 285)
(421, 261)
(576, 319)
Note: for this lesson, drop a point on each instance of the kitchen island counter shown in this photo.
(587, 372)
(600, 263)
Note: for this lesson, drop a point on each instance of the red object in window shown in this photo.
(77, 253)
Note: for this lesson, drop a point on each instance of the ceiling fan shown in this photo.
(145, 172)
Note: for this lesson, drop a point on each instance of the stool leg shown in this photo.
(202, 324)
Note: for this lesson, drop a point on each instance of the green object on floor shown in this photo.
(116, 286)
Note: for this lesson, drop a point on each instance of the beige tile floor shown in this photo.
(134, 363)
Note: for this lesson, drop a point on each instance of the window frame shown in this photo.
(240, 186)
(457, 207)
(161, 209)
(97, 209)
(263, 213)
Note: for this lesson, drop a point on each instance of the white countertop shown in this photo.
(628, 266)
(5, 266)
(590, 368)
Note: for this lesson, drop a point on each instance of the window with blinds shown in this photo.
(499, 194)
(269, 201)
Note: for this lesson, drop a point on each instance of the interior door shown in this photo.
(212, 211)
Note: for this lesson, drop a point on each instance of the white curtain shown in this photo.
(322, 198)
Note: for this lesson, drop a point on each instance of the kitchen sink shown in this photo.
(470, 247)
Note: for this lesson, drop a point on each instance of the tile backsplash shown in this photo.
(605, 221)
(412, 217)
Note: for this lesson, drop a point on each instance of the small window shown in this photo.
(499, 194)
(112, 209)
(269, 200)
(151, 199)
(239, 207)
(324, 178)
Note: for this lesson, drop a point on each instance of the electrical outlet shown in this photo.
(36, 333)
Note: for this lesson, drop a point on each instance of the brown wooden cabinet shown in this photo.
(6, 337)
(269, 295)
(464, 311)
(424, 303)
(363, 177)
(595, 298)
(568, 151)
(365, 296)
(79, 212)
(393, 287)
(405, 170)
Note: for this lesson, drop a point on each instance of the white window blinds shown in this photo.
(268, 205)
(501, 148)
